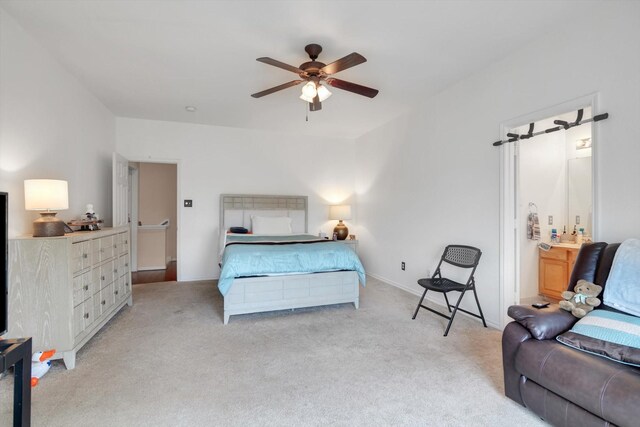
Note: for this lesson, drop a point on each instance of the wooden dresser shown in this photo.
(62, 290)
(554, 269)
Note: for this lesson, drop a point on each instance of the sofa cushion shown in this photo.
(606, 389)
(615, 336)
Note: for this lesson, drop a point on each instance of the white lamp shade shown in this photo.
(306, 98)
(46, 194)
(309, 90)
(323, 93)
(340, 212)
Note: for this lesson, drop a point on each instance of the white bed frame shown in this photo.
(269, 293)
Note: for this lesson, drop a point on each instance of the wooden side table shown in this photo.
(353, 244)
(17, 353)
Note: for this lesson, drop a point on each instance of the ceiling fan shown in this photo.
(314, 73)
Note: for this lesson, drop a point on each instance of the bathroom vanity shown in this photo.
(555, 267)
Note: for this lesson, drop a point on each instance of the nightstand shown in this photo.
(353, 244)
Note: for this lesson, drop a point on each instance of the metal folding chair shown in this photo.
(458, 256)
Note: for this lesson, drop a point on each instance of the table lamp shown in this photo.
(49, 196)
(340, 212)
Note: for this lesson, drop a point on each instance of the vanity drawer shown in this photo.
(554, 253)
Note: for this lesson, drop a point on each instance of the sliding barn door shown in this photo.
(120, 190)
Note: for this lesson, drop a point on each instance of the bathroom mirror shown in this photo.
(579, 194)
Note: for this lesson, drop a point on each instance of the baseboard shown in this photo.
(429, 298)
(159, 267)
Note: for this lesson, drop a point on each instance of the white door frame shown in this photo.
(178, 206)
(509, 212)
(134, 176)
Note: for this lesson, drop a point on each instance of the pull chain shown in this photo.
(307, 112)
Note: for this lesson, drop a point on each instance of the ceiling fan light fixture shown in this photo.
(323, 93)
(309, 90)
(306, 98)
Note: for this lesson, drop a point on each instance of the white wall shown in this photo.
(432, 177)
(214, 160)
(50, 127)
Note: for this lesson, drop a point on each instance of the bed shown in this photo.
(281, 271)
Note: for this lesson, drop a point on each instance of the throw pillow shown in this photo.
(604, 333)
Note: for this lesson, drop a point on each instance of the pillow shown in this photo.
(604, 333)
(622, 290)
(271, 224)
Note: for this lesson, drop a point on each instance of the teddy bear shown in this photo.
(583, 300)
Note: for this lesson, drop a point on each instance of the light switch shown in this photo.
(577, 219)
(550, 219)
(188, 203)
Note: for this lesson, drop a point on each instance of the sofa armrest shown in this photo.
(544, 323)
(513, 335)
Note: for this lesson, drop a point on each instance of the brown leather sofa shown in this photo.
(564, 386)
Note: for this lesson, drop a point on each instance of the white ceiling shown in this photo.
(150, 59)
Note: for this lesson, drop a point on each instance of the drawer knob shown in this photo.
(103, 302)
(102, 278)
(85, 287)
(115, 270)
(126, 242)
(126, 264)
(116, 292)
(86, 315)
(115, 246)
(85, 256)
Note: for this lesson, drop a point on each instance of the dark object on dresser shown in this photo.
(563, 385)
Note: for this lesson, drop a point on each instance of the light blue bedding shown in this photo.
(256, 259)
(622, 291)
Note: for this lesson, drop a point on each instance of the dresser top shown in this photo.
(78, 236)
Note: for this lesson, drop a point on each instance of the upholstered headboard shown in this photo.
(236, 210)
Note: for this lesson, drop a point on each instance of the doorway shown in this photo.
(539, 176)
(553, 190)
(154, 201)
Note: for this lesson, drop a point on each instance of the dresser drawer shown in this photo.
(80, 256)
(123, 243)
(106, 273)
(123, 265)
(118, 289)
(83, 287)
(103, 248)
(83, 316)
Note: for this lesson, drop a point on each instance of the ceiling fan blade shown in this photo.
(352, 87)
(279, 64)
(348, 61)
(315, 105)
(276, 88)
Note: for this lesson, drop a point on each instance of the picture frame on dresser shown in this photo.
(65, 289)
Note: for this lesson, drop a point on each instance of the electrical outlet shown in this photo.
(550, 219)
(577, 219)
(188, 203)
(402, 266)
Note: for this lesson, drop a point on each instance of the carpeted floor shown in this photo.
(169, 361)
